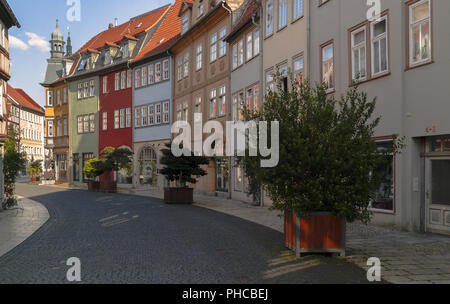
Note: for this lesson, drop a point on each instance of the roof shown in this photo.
(130, 29)
(249, 11)
(166, 34)
(6, 12)
(22, 98)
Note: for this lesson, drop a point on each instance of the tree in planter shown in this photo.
(34, 168)
(93, 168)
(328, 160)
(182, 170)
(13, 163)
(114, 160)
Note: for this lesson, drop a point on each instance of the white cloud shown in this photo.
(16, 43)
(38, 42)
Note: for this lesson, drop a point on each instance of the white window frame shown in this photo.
(199, 56)
(297, 9)
(378, 39)
(269, 15)
(359, 47)
(213, 48)
(412, 24)
(282, 14)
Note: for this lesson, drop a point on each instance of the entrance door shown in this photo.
(437, 194)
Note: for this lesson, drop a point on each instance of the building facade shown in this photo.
(101, 91)
(201, 83)
(153, 102)
(56, 90)
(400, 57)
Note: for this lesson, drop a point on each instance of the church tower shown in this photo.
(57, 43)
(69, 46)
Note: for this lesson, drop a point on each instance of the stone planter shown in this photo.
(108, 186)
(178, 195)
(93, 186)
(320, 233)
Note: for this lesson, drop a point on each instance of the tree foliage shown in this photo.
(184, 169)
(34, 168)
(13, 163)
(328, 159)
(110, 160)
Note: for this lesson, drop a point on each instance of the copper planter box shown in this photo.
(179, 196)
(93, 186)
(108, 186)
(320, 233)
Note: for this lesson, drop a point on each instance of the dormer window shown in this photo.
(108, 57)
(139, 25)
(184, 24)
(126, 51)
(82, 65)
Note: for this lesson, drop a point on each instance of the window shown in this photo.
(122, 118)
(107, 58)
(185, 111)
(420, 32)
(123, 80)
(186, 65)
(128, 117)
(222, 43)
(166, 112)
(213, 48)
(137, 117)
(269, 18)
(379, 47)
(58, 97)
(50, 98)
(144, 116)
(235, 107)
(180, 68)
(65, 95)
(179, 112)
(116, 119)
(199, 57)
(384, 195)
(270, 84)
(50, 128)
(249, 103)
(125, 51)
(328, 65)
(117, 82)
(158, 72)
(166, 70)
(151, 74)
(200, 9)
(144, 77)
(299, 68)
(282, 13)
(129, 78)
(86, 89)
(105, 84)
(256, 42)
(80, 124)
(184, 24)
(86, 124)
(235, 56)
(82, 65)
(256, 99)
(222, 101)
(213, 104)
(58, 129)
(158, 114)
(249, 46)
(2, 35)
(240, 50)
(92, 123)
(92, 87)
(358, 41)
(137, 78)
(198, 108)
(105, 121)
(298, 9)
(151, 115)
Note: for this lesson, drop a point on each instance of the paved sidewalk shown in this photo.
(19, 223)
(406, 257)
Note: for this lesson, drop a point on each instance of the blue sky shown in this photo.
(29, 47)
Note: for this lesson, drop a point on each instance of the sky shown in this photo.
(30, 47)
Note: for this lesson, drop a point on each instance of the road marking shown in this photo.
(109, 218)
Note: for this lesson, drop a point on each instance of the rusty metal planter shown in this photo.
(178, 195)
(93, 186)
(320, 233)
(108, 186)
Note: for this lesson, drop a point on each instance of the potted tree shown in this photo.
(326, 175)
(113, 160)
(34, 169)
(181, 171)
(93, 168)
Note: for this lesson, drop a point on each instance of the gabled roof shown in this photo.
(134, 27)
(166, 34)
(6, 12)
(22, 98)
(251, 9)
(187, 3)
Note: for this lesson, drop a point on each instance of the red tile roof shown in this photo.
(23, 99)
(252, 9)
(166, 34)
(136, 26)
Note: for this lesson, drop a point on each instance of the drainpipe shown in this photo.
(261, 72)
(229, 101)
(308, 41)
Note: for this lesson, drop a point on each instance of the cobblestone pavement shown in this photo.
(131, 239)
(19, 223)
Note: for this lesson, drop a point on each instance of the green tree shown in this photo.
(34, 168)
(13, 163)
(184, 169)
(110, 160)
(93, 168)
(328, 159)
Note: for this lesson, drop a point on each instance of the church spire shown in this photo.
(69, 46)
(57, 42)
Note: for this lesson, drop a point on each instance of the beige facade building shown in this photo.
(401, 57)
(201, 85)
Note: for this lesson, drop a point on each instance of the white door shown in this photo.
(437, 195)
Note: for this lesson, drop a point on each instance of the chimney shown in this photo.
(116, 22)
(110, 26)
